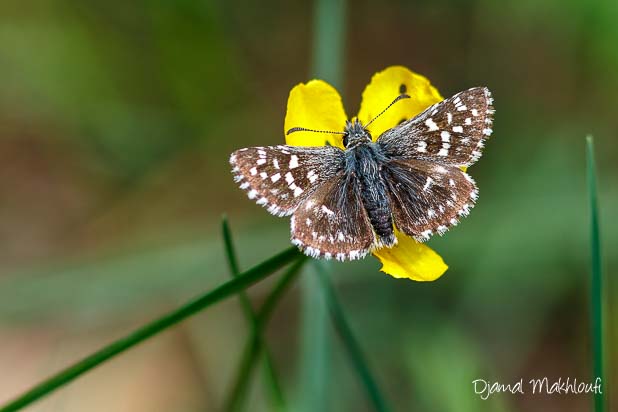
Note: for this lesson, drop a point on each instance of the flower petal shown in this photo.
(315, 105)
(411, 259)
(384, 87)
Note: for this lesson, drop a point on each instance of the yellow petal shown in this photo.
(315, 105)
(384, 87)
(411, 259)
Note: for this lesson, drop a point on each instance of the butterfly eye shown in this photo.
(345, 140)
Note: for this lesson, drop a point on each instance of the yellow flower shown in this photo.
(317, 105)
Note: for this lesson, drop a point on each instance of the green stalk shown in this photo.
(226, 290)
(272, 380)
(255, 344)
(596, 290)
(350, 343)
(329, 26)
(327, 63)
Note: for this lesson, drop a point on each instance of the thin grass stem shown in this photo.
(596, 289)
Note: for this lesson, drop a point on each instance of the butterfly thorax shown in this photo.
(364, 160)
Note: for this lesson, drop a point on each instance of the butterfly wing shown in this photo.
(280, 178)
(332, 222)
(427, 198)
(451, 132)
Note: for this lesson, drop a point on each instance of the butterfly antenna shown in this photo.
(302, 129)
(400, 97)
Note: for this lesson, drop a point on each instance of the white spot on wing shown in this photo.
(458, 129)
(355, 254)
(289, 178)
(312, 176)
(293, 162)
(426, 234)
(327, 211)
(446, 136)
(275, 177)
(431, 124)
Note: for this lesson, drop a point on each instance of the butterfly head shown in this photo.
(355, 134)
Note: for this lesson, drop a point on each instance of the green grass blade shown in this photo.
(272, 380)
(329, 27)
(315, 352)
(350, 343)
(596, 290)
(254, 345)
(230, 253)
(327, 63)
(226, 290)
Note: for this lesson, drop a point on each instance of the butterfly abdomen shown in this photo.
(374, 194)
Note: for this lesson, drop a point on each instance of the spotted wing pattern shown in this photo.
(427, 198)
(280, 178)
(332, 222)
(451, 132)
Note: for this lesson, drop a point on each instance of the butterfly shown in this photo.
(346, 203)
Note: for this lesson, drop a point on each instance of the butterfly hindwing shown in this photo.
(427, 198)
(280, 178)
(451, 132)
(332, 222)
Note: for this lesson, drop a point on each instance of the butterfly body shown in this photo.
(364, 161)
(345, 203)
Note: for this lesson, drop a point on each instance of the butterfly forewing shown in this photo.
(451, 132)
(427, 198)
(280, 178)
(332, 222)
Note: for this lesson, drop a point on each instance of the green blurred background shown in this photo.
(116, 123)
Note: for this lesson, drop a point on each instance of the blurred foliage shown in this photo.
(116, 121)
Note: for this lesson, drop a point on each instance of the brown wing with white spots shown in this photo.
(281, 177)
(332, 223)
(427, 198)
(451, 132)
